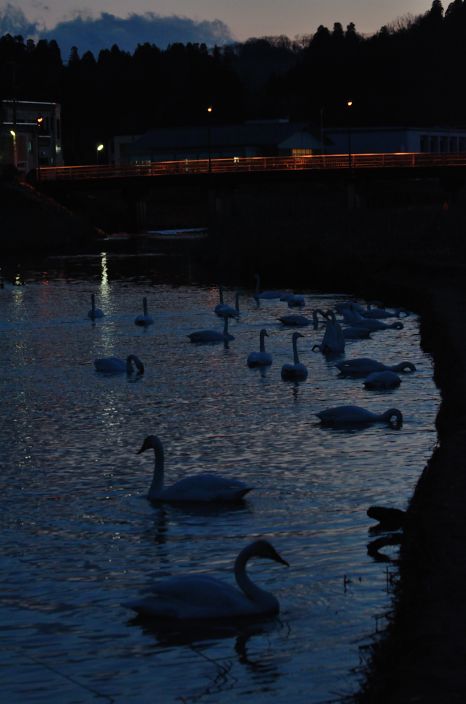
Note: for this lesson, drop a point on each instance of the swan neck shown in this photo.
(251, 590)
(225, 325)
(295, 350)
(158, 476)
(262, 342)
(144, 305)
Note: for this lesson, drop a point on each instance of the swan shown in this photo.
(94, 312)
(372, 324)
(145, 318)
(354, 415)
(296, 371)
(267, 295)
(114, 365)
(261, 358)
(300, 321)
(295, 301)
(212, 335)
(382, 380)
(224, 310)
(362, 366)
(333, 341)
(200, 488)
(376, 312)
(354, 333)
(198, 596)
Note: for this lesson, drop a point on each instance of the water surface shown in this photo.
(79, 538)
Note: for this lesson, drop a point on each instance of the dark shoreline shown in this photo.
(422, 655)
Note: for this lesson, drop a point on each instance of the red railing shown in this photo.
(253, 164)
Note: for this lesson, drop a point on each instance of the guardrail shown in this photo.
(253, 164)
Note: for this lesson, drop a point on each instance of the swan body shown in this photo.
(333, 341)
(371, 324)
(94, 312)
(115, 365)
(355, 333)
(296, 371)
(261, 358)
(355, 415)
(382, 380)
(299, 321)
(212, 335)
(362, 366)
(145, 318)
(224, 310)
(267, 295)
(200, 488)
(296, 301)
(202, 597)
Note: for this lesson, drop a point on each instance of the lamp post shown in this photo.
(349, 105)
(209, 136)
(15, 158)
(99, 149)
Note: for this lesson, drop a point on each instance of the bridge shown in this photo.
(237, 166)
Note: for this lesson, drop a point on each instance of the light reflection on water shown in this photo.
(79, 538)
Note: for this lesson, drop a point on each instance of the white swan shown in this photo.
(300, 321)
(195, 597)
(356, 320)
(212, 335)
(200, 488)
(354, 415)
(115, 365)
(382, 380)
(333, 341)
(296, 371)
(261, 358)
(362, 366)
(94, 312)
(267, 295)
(224, 310)
(294, 300)
(145, 318)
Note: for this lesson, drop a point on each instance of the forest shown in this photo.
(408, 73)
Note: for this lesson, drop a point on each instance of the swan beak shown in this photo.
(143, 448)
(279, 558)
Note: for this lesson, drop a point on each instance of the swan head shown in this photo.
(296, 335)
(262, 548)
(398, 325)
(151, 442)
(394, 417)
(264, 333)
(137, 362)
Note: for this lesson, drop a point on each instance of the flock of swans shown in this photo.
(203, 597)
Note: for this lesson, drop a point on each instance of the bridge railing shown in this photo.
(253, 164)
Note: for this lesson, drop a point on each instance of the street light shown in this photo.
(15, 160)
(349, 105)
(209, 136)
(99, 148)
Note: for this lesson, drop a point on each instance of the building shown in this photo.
(250, 139)
(30, 134)
(364, 140)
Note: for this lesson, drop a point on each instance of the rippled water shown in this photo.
(79, 538)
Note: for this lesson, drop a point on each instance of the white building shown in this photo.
(366, 140)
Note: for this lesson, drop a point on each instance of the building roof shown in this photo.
(252, 133)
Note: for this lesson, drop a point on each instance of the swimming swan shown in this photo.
(267, 295)
(200, 488)
(362, 366)
(354, 415)
(197, 596)
(261, 358)
(299, 321)
(224, 310)
(355, 319)
(212, 335)
(145, 318)
(382, 380)
(296, 371)
(94, 312)
(114, 365)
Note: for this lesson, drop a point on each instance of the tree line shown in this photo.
(407, 73)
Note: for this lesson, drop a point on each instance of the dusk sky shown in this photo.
(244, 18)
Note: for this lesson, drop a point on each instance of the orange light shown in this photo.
(349, 103)
(210, 108)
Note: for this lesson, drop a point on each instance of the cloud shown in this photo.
(13, 21)
(96, 33)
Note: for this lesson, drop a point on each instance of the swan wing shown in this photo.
(206, 487)
(193, 597)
